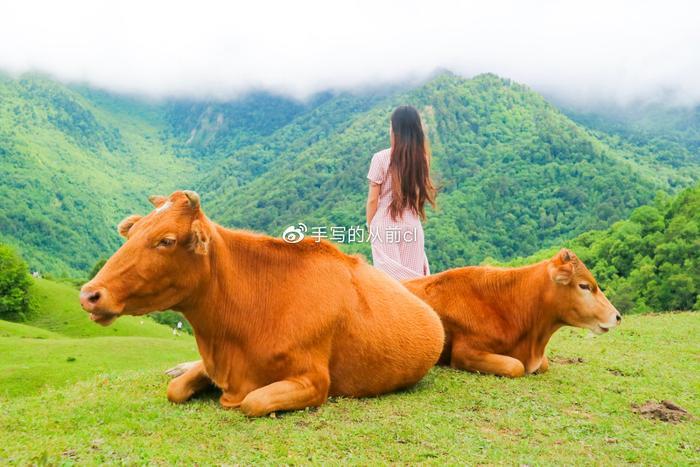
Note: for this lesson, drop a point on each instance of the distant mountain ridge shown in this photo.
(514, 171)
(516, 174)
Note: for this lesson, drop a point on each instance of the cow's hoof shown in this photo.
(514, 370)
(180, 369)
(229, 402)
(178, 394)
(253, 408)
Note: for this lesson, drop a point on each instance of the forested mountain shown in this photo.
(646, 124)
(650, 261)
(670, 134)
(75, 160)
(515, 173)
(71, 167)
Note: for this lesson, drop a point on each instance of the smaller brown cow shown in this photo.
(279, 326)
(499, 320)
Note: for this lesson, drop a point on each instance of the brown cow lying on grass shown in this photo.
(499, 320)
(279, 326)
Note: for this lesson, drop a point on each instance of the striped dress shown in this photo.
(398, 246)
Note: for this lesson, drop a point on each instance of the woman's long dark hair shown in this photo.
(410, 164)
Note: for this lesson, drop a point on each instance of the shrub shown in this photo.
(171, 318)
(14, 285)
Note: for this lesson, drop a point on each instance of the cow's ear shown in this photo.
(561, 274)
(157, 200)
(200, 237)
(126, 225)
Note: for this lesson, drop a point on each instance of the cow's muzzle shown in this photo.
(605, 327)
(96, 301)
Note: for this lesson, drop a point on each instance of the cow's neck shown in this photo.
(538, 319)
(223, 301)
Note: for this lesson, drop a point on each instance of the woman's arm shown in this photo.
(372, 201)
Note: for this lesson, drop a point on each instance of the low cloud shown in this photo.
(584, 52)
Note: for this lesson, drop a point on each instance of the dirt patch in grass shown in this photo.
(567, 360)
(666, 411)
(621, 372)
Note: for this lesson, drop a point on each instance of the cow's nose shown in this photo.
(90, 298)
(618, 317)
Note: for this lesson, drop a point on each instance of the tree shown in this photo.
(14, 285)
(650, 262)
(96, 268)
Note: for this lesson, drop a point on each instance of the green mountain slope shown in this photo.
(673, 130)
(75, 161)
(276, 158)
(652, 132)
(515, 174)
(650, 261)
(71, 168)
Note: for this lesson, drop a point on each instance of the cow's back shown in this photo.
(387, 338)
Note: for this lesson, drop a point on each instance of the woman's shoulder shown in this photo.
(384, 154)
(379, 166)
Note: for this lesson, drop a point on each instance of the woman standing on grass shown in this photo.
(399, 187)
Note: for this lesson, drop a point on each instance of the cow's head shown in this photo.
(577, 297)
(165, 257)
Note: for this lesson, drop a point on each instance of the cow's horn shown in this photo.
(193, 197)
(566, 255)
(156, 200)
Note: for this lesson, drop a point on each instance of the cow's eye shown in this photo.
(166, 242)
(585, 286)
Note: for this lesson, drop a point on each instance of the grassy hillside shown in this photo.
(103, 400)
(57, 309)
(516, 174)
(58, 345)
(12, 329)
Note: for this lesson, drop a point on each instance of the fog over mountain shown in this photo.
(591, 52)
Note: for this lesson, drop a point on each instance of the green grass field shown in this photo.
(67, 399)
(59, 345)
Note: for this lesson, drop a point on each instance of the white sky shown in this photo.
(583, 51)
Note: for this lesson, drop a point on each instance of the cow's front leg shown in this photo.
(189, 383)
(289, 394)
(465, 358)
